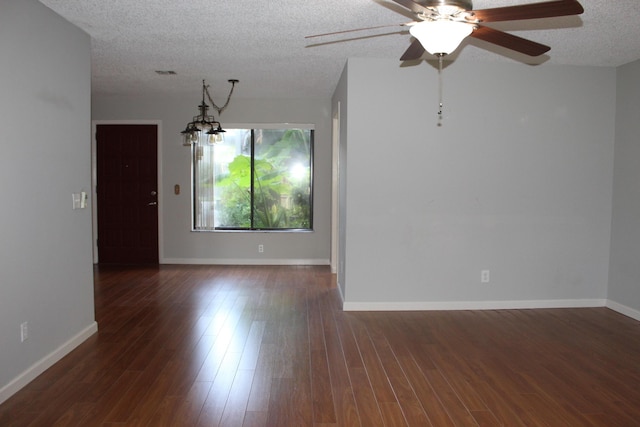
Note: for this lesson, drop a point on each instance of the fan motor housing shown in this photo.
(462, 4)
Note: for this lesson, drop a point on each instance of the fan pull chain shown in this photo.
(440, 89)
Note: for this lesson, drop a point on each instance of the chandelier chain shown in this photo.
(217, 108)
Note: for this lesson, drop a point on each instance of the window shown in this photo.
(254, 179)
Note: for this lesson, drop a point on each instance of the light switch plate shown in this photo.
(77, 200)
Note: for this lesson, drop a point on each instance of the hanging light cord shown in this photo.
(440, 56)
(221, 109)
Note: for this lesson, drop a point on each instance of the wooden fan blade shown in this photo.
(414, 51)
(509, 41)
(546, 9)
(358, 29)
(412, 6)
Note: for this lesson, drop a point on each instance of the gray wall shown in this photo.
(340, 108)
(624, 278)
(517, 180)
(46, 273)
(184, 246)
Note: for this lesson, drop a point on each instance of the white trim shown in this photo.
(335, 188)
(242, 261)
(623, 309)
(94, 179)
(46, 362)
(470, 305)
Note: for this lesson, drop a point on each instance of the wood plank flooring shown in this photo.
(259, 346)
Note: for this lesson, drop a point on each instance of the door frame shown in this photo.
(94, 180)
(335, 190)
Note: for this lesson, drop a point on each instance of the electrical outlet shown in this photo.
(485, 276)
(24, 331)
(260, 248)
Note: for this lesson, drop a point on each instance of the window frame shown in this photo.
(252, 229)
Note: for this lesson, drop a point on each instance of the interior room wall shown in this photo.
(624, 285)
(46, 275)
(340, 108)
(181, 245)
(516, 180)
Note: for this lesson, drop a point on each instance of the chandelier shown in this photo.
(204, 122)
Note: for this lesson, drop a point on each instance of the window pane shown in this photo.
(203, 186)
(232, 173)
(282, 179)
(254, 180)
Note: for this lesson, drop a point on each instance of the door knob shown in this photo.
(152, 203)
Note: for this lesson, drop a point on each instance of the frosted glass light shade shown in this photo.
(440, 37)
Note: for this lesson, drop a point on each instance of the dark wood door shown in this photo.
(127, 186)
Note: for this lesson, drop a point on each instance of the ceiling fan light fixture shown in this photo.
(441, 37)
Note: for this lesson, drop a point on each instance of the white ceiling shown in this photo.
(264, 46)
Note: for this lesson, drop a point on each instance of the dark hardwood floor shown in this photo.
(269, 346)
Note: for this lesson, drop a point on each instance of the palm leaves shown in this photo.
(278, 200)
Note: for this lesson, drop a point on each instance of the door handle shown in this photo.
(152, 203)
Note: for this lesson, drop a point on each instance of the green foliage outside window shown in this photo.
(272, 180)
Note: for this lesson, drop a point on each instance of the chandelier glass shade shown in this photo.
(442, 36)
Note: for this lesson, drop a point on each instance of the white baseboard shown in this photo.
(469, 305)
(239, 261)
(46, 362)
(623, 309)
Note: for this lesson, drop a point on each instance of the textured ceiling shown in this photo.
(263, 44)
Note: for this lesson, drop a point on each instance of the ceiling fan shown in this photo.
(441, 25)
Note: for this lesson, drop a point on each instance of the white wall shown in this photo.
(46, 276)
(517, 180)
(340, 106)
(624, 278)
(184, 246)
